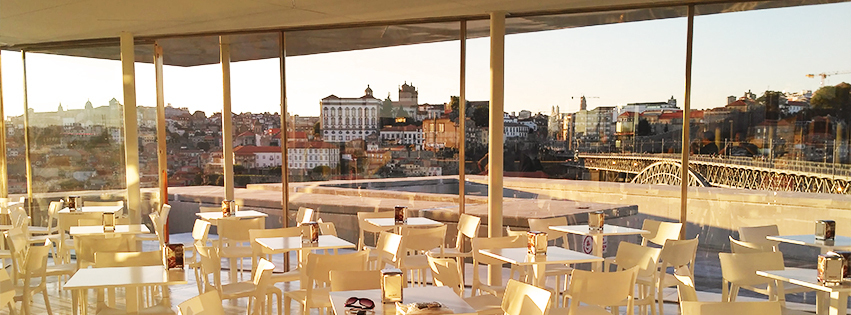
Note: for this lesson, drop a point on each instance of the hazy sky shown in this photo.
(617, 64)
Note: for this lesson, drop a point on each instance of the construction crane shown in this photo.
(824, 75)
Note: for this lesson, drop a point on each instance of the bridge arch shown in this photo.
(668, 173)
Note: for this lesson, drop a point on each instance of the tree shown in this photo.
(644, 128)
(386, 107)
(317, 130)
(771, 101)
(481, 116)
(833, 100)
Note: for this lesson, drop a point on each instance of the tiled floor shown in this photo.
(60, 301)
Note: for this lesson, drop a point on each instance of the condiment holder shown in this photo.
(74, 203)
(596, 220)
(391, 285)
(310, 232)
(825, 230)
(229, 208)
(537, 243)
(173, 256)
(830, 268)
(399, 215)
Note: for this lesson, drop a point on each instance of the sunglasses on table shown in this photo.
(361, 303)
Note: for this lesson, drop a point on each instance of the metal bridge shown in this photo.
(727, 171)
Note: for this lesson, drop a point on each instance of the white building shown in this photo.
(514, 130)
(300, 155)
(407, 135)
(346, 119)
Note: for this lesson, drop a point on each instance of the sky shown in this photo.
(610, 64)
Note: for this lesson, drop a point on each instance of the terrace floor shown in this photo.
(60, 301)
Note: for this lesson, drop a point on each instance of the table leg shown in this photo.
(597, 251)
(838, 303)
(822, 302)
(539, 278)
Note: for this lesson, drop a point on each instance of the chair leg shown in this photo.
(46, 301)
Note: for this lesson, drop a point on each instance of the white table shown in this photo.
(444, 295)
(277, 245)
(214, 217)
(98, 209)
(597, 236)
(409, 222)
(130, 278)
(839, 242)
(555, 255)
(123, 229)
(838, 295)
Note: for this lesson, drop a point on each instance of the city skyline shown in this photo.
(619, 63)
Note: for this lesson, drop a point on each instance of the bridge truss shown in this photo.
(730, 172)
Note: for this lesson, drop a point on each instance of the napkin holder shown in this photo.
(229, 208)
(536, 242)
(310, 232)
(825, 230)
(391, 285)
(399, 215)
(108, 222)
(596, 220)
(830, 268)
(74, 203)
(173, 256)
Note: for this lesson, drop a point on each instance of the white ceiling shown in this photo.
(324, 25)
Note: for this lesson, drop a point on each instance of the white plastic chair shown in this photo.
(316, 281)
(304, 215)
(125, 259)
(7, 291)
(678, 254)
(388, 251)
(660, 232)
(558, 271)
(364, 226)
(468, 229)
(234, 242)
(739, 271)
(482, 259)
(525, 299)
(211, 269)
(644, 258)
(729, 308)
(257, 250)
(348, 280)
(445, 272)
(417, 242)
(598, 290)
(208, 303)
(29, 264)
(757, 234)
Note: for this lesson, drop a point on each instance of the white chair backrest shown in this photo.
(685, 288)
(741, 268)
(347, 280)
(728, 308)
(631, 255)
(543, 225)
(525, 299)
(424, 239)
(742, 247)
(319, 266)
(7, 290)
(468, 226)
(757, 234)
(389, 250)
(208, 303)
(327, 228)
(262, 280)
(602, 289)
(201, 230)
(660, 231)
(304, 215)
(445, 272)
(679, 253)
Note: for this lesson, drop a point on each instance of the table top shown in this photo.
(242, 214)
(416, 221)
(608, 229)
(842, 242)
(803, 277)
(125, 276)
(273, 245)
(99, 209)
(444, 295)
(555, 255)
(119, 229)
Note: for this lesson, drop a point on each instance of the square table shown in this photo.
(444, 295)
(278, 245)
(839, 242)
(130, 278)
(98, 209)
(123, 229)
(555, 255)
(838, 295)
(213, 217)
(597, 236)
(410, 222)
